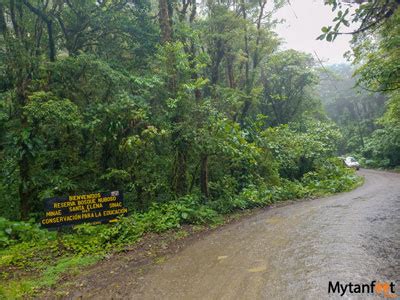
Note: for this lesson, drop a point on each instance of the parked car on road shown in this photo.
(351, 163)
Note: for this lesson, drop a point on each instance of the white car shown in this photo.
(351, 163)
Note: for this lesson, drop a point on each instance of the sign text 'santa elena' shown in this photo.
(86, 208)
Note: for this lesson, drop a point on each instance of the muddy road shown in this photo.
(287, 252)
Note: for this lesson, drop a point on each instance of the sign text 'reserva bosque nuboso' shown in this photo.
(85, 208)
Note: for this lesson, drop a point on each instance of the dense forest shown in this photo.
(192, 109)
(160, 101)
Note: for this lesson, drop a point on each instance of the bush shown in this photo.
(331, 176)
(383, 147)
(13, 232)
(159, 218)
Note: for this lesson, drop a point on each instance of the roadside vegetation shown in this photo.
(32, 258)
(284, 163)
(192, 110)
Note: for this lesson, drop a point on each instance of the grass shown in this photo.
(16, 289)
(181, 234)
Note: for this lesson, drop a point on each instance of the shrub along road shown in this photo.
(285, 252)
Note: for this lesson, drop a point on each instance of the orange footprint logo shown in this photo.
(386, 289)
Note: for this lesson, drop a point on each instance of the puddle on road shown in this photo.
(257, 269)
(338, 206)
(274, 220)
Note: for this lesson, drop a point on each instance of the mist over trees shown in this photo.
(375, 56)
(352, 108)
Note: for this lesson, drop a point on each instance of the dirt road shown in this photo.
(288, 252)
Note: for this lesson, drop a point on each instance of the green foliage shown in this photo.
(13, 232)
(330, 177)
(299, 147)
(383, 147)
(380, 67)
(88, 239)
(16, 289)
(368, 16)
(375, 52)
(287, 89)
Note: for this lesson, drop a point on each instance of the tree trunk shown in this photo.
(247, 87)
(3, 24)
(180, 179)
(165, 25)
(204, 175)
(52, 48)
(49, 23)
(230, 71)
(23, 190)
(23, 161)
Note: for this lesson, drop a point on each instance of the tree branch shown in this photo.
(49, 23)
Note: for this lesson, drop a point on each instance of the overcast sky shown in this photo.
(300, 33)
